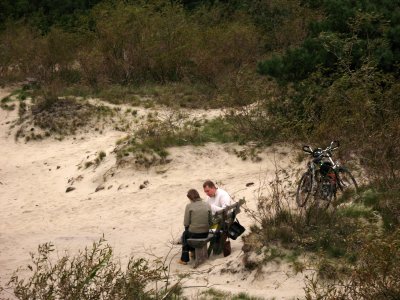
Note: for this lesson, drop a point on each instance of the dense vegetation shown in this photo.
(91, 274)
(44, 14)
(313, 70)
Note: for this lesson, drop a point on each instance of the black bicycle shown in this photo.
(324, 179)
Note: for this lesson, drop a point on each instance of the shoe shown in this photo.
(177, 242)
(182, 262)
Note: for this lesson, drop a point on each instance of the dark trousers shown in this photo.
(185, 246)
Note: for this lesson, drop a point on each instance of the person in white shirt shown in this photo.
(217, 197)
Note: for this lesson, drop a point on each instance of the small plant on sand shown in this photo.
(97, 161)
(91, 274)
(18, 95)
(88, 164)
(6, 103)
(22, 110)
(100, 157)
(251, 152)
(148, 145)
(220, 295)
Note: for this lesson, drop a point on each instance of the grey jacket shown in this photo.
(198, 216)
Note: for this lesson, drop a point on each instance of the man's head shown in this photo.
(209, 188)
(192, 194)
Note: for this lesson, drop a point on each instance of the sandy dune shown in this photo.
(35, 207)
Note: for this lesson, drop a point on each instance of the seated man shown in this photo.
(218, 200)
(217, 197)
(197, 221)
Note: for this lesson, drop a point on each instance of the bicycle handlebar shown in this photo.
(326, 152)
(307, 149)
(334, 145)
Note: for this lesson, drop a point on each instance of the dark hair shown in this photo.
(209, 183)
(192, 194)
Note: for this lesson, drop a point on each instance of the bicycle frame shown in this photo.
(319, 157)
(323, 178)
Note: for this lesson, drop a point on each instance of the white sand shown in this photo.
(36, 209)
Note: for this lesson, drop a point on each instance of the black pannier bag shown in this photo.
(235, 230)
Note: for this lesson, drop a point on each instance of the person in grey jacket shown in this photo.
(197, 221)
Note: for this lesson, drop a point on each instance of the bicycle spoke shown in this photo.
(304, 189)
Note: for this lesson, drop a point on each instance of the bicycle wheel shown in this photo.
(304, 189)
(325, 192)
(346, 184)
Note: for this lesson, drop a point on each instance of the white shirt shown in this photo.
(220, 200)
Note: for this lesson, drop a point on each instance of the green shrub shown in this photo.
(385, 201)
(217, 130)
(357, 211)
(6, 99)
(370, 197)
(63, 13)
(6, 106)
(220, 295)
(90, 274)
(375, 276)
(70, 76)
(364, 24)
(277, 17)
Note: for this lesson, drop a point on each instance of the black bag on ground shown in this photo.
(235, 230)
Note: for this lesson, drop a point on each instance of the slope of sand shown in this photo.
(35, 207)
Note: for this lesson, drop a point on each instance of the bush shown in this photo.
(134, 44)
(18, 55)
(61, 13)
(58, 116)
(366, 25)
(220, 295)
(61, 116)
(254, 123)
(375, 276)
(278, 17)
(91, 274)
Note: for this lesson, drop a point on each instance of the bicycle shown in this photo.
(324, 178)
